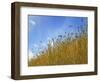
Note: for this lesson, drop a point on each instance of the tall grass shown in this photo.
(64, 51)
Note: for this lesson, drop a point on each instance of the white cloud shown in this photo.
(35, 45)
(44, 44)
(48, 38)
(32, 22)
(30, 54)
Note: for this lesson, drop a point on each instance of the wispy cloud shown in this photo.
(48, 38)
(33, 23)
(30, 54)
(35, 46)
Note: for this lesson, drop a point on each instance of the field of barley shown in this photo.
(65, 51)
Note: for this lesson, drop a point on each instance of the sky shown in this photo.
(41, 29)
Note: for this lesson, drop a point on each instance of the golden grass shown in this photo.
(63, 53)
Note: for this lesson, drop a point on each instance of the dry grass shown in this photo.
(68, 51)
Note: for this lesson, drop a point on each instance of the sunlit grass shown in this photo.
(64, 51)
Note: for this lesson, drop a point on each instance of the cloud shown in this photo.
(35, 45)
(48, 38)
(44, 46)
(32, 22)
(30, 54)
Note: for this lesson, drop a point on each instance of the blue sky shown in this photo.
(44, 28)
